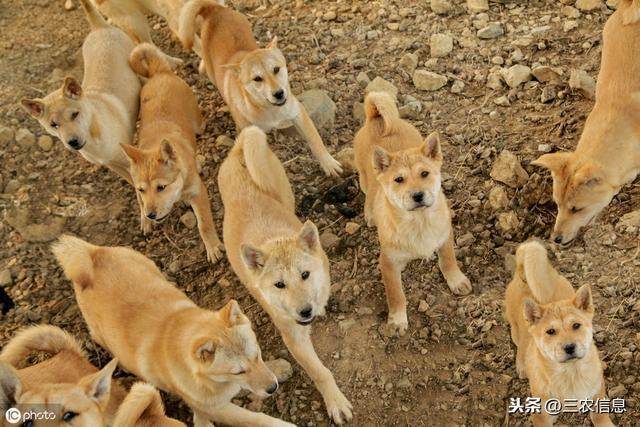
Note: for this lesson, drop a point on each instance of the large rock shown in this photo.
(428, 80)
(508, 221)
(320, 107)
(589, 5)
(44, 231)
(498, 198)
(476, 6)
(381, 85)
(508, 170)
(6, 135)
(441, 45)
(25, 138)
(516, 75)
(491, 31)
(632, 219)
(545, 74)
(581, 81)
(441, 7)
(409, 62)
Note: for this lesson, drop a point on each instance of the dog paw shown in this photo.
(146, 225)
(459, 284)
(331, 167)
(215, 252)
(397, 324)
(338, 407)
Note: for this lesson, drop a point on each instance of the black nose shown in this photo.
(272, 389)
(151, 215)
(570, 348)
(74, 143)
(558, 239)
(279, 94)
(305, 313)
(418, 197)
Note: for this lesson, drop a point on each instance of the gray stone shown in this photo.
(498, 198)
(320, 107)
(491, 31)
(581, 81)
(12, 186)
(570, 12)
(476, 6)
(508, 221)
(516, 75)
(508, 170)
(45, 142)
(427, 80)
(545, 74)
(381, 85)
(441, 45)
(45, 231)
(6, 135)
(632, 219)
(589, 5)
(363, 79)
(25, 138)
(441, 7)
(328, 240)
(457, 86)
(189, 219)
(358, 112)
(409, 62)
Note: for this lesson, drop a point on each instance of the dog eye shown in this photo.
(575, 210)
(551, 331)
(161, 187)
(399, 180)
(257, 79)
(141, 190)
(305, 275)
(276, 70)
(424, 174)
(279, 285)
(576, 326)
(54, 125)
(74, 115)
(68, 416)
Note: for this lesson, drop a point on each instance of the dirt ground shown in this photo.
(455, 366)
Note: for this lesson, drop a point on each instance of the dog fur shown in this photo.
(253, 82)
(388, 150)
(608, 154)
(66, 381)
(164, 168)
(552, 330)
(96, 117)
(143, 407)
(163, 337)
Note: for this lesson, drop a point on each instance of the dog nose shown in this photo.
(570, 348)
(558, 239)
(418, 197)
(279, 94)
(306, 312)
(152, 215)
(74, 143)
(272, 389)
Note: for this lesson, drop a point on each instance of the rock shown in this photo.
(345, 325)
(507, 169)
(617, 391)
(25, 138)
(189, 219)
(516, 75)
(410, 110)
(441, 45)
(5, 278)
(329, 16)
(494, 81)
(351, 227)
(476, 6)
(6, 135)
(508, 221)
(358, 112)
(502, 101)
(498, 198)
(69, 5)
(545, 74)
(381, 85)
(423, 306)
(404, 383)
(491, 31)
(570, 12)
(45, 231)
(569, 25)
(45, 142)
(347, 159)
(465, 240)
(12, 186)
(441, 7)
(224, 141)
(457, 86)
(281, 368)
(589, 5)
(632, 219)
(320, 107)
(409, 62)
(583, 83)
(328, 240)
(548, 94)
(363, 79)
(428, 80)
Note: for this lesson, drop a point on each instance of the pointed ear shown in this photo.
(588, 175)
(583, 299)
(532, 311)
(431, 147)
(98, 386)
(381, 159)
(553, 161)
(233, 68)
(134, 154)
(35, 107)
(253, 257)
(71, 88)
(273, 44)
(204, 350)
(10, 386)
(167, 153)
(308, 237)
(232, 313)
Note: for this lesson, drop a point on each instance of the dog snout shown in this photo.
(306, 312)
(279, 94)
(74, 143)
(152, 215)
(418, 197)
(570, 349)
(272, 388)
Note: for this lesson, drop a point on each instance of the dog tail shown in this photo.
(188, 16)
(534, 268)
(94, 17)
(265, 169)
(147, 60)
(143, 401)
(47, 338)
(381, 105)
(75, 256)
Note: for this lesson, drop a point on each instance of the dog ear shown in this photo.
(308, 236)
(553, 161)
(431, 147)
(532, 311)
(167, 153)
(98, 386)
(381, 159)
(10, 386)
(134, 154)
(232, 313)
(35, 107)
(588, 175)
(273, 44)
(583, 299)
(71, 88)
(233, 68)
(204, 350)
(253, 257)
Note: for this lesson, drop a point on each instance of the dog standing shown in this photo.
(552, 330)
(164, 168)
(400, 175)
(163, 337)
(253, 82)
(96, 117)
(608, 154)
(279, 260)
(143, 407)
(65, 382)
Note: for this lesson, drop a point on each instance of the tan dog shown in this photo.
(96, 117)
(400, 175)
(66, 384)
(608, 154)
(164, 168)
(253, 82)
(163, 337)
(552, 330)
(143, 407)
(279, 260)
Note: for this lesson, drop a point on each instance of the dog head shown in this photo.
(264, 76)
(580, 190)
(292, 274)
(79, 404)
(410, 178)
(233, 354)
(143, 407)
(64, 115)
(156, 176)
(562, 330)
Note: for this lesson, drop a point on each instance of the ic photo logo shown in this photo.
(16, 416)
(13, 415)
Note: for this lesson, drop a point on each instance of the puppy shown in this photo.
(143, 408)
(608, 154)
(164, 168)
(400, 175)
(552, 330)
(164, 338)
(96, 117)
(253, 82)
(279, 260)
(66, 383)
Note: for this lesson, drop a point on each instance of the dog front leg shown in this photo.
(206, 226)
(391, 270)
(457, 281)
(234, 415)
(146, 225)
(601, 419)
(298, 340)
(305, 127)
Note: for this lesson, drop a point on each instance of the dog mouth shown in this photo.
(306, 321)
(161, 219)
(420, 206)
(279, 102)
(571, 358)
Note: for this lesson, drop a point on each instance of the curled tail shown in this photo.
(534, 268)
(188, 17)
(382, 105)
(94, 17)
(75, 256)
(147, 60)
(142, 404)
(265, 169)
(47, 338)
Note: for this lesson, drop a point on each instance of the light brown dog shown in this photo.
(253, 82)
(66, 384)
(96, 117)
(163, 337)
(608, 154)
(143, 407)
(278, 259)
(164, 168)
(400, 175)
(552, 330)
